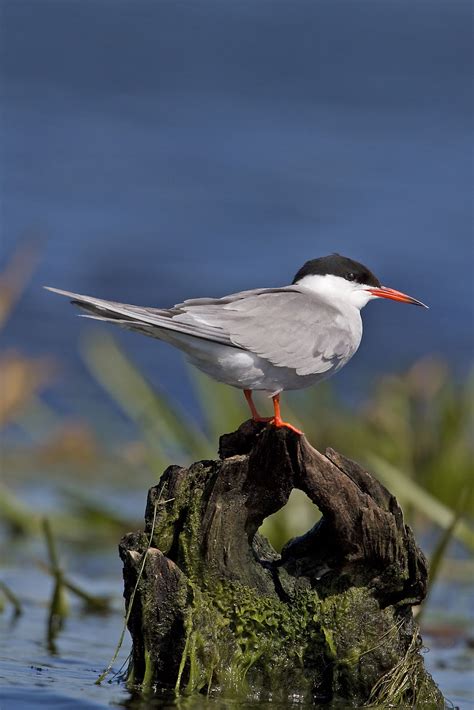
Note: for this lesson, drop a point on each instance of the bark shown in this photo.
(217, 610)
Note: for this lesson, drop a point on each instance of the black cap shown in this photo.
(338, 265)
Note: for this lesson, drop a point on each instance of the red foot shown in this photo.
(279, 423)
(276, 420)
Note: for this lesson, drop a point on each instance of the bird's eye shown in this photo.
(351, 277)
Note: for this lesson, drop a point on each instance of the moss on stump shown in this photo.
(217, 610)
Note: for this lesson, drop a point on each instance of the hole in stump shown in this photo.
(294, 519)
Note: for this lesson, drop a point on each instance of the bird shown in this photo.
(270, 339)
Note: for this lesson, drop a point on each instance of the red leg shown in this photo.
(277, 420)
(255, 415)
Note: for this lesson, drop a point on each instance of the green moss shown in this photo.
(330, 644)
(149, 675)
(177, 530)
(233, 635)
(208, 649)
(238, 641)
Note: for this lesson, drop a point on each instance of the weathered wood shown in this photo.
(218, 610)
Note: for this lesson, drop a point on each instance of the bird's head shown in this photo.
(336, 277)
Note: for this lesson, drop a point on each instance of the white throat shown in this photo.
(335, 289)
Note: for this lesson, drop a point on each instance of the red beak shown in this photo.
(385, 292)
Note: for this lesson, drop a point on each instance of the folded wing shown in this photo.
(289, 327)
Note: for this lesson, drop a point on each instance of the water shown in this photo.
(168, 150)
(31, 675)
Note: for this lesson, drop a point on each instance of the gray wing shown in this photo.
(289, 326)
(149, 321)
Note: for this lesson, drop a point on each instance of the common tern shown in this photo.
(270, 339)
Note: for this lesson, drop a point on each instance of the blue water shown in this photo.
(163, 150)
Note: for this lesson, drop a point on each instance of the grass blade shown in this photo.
(158, 420)
(407, 491)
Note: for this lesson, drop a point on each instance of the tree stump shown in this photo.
(217, 610)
